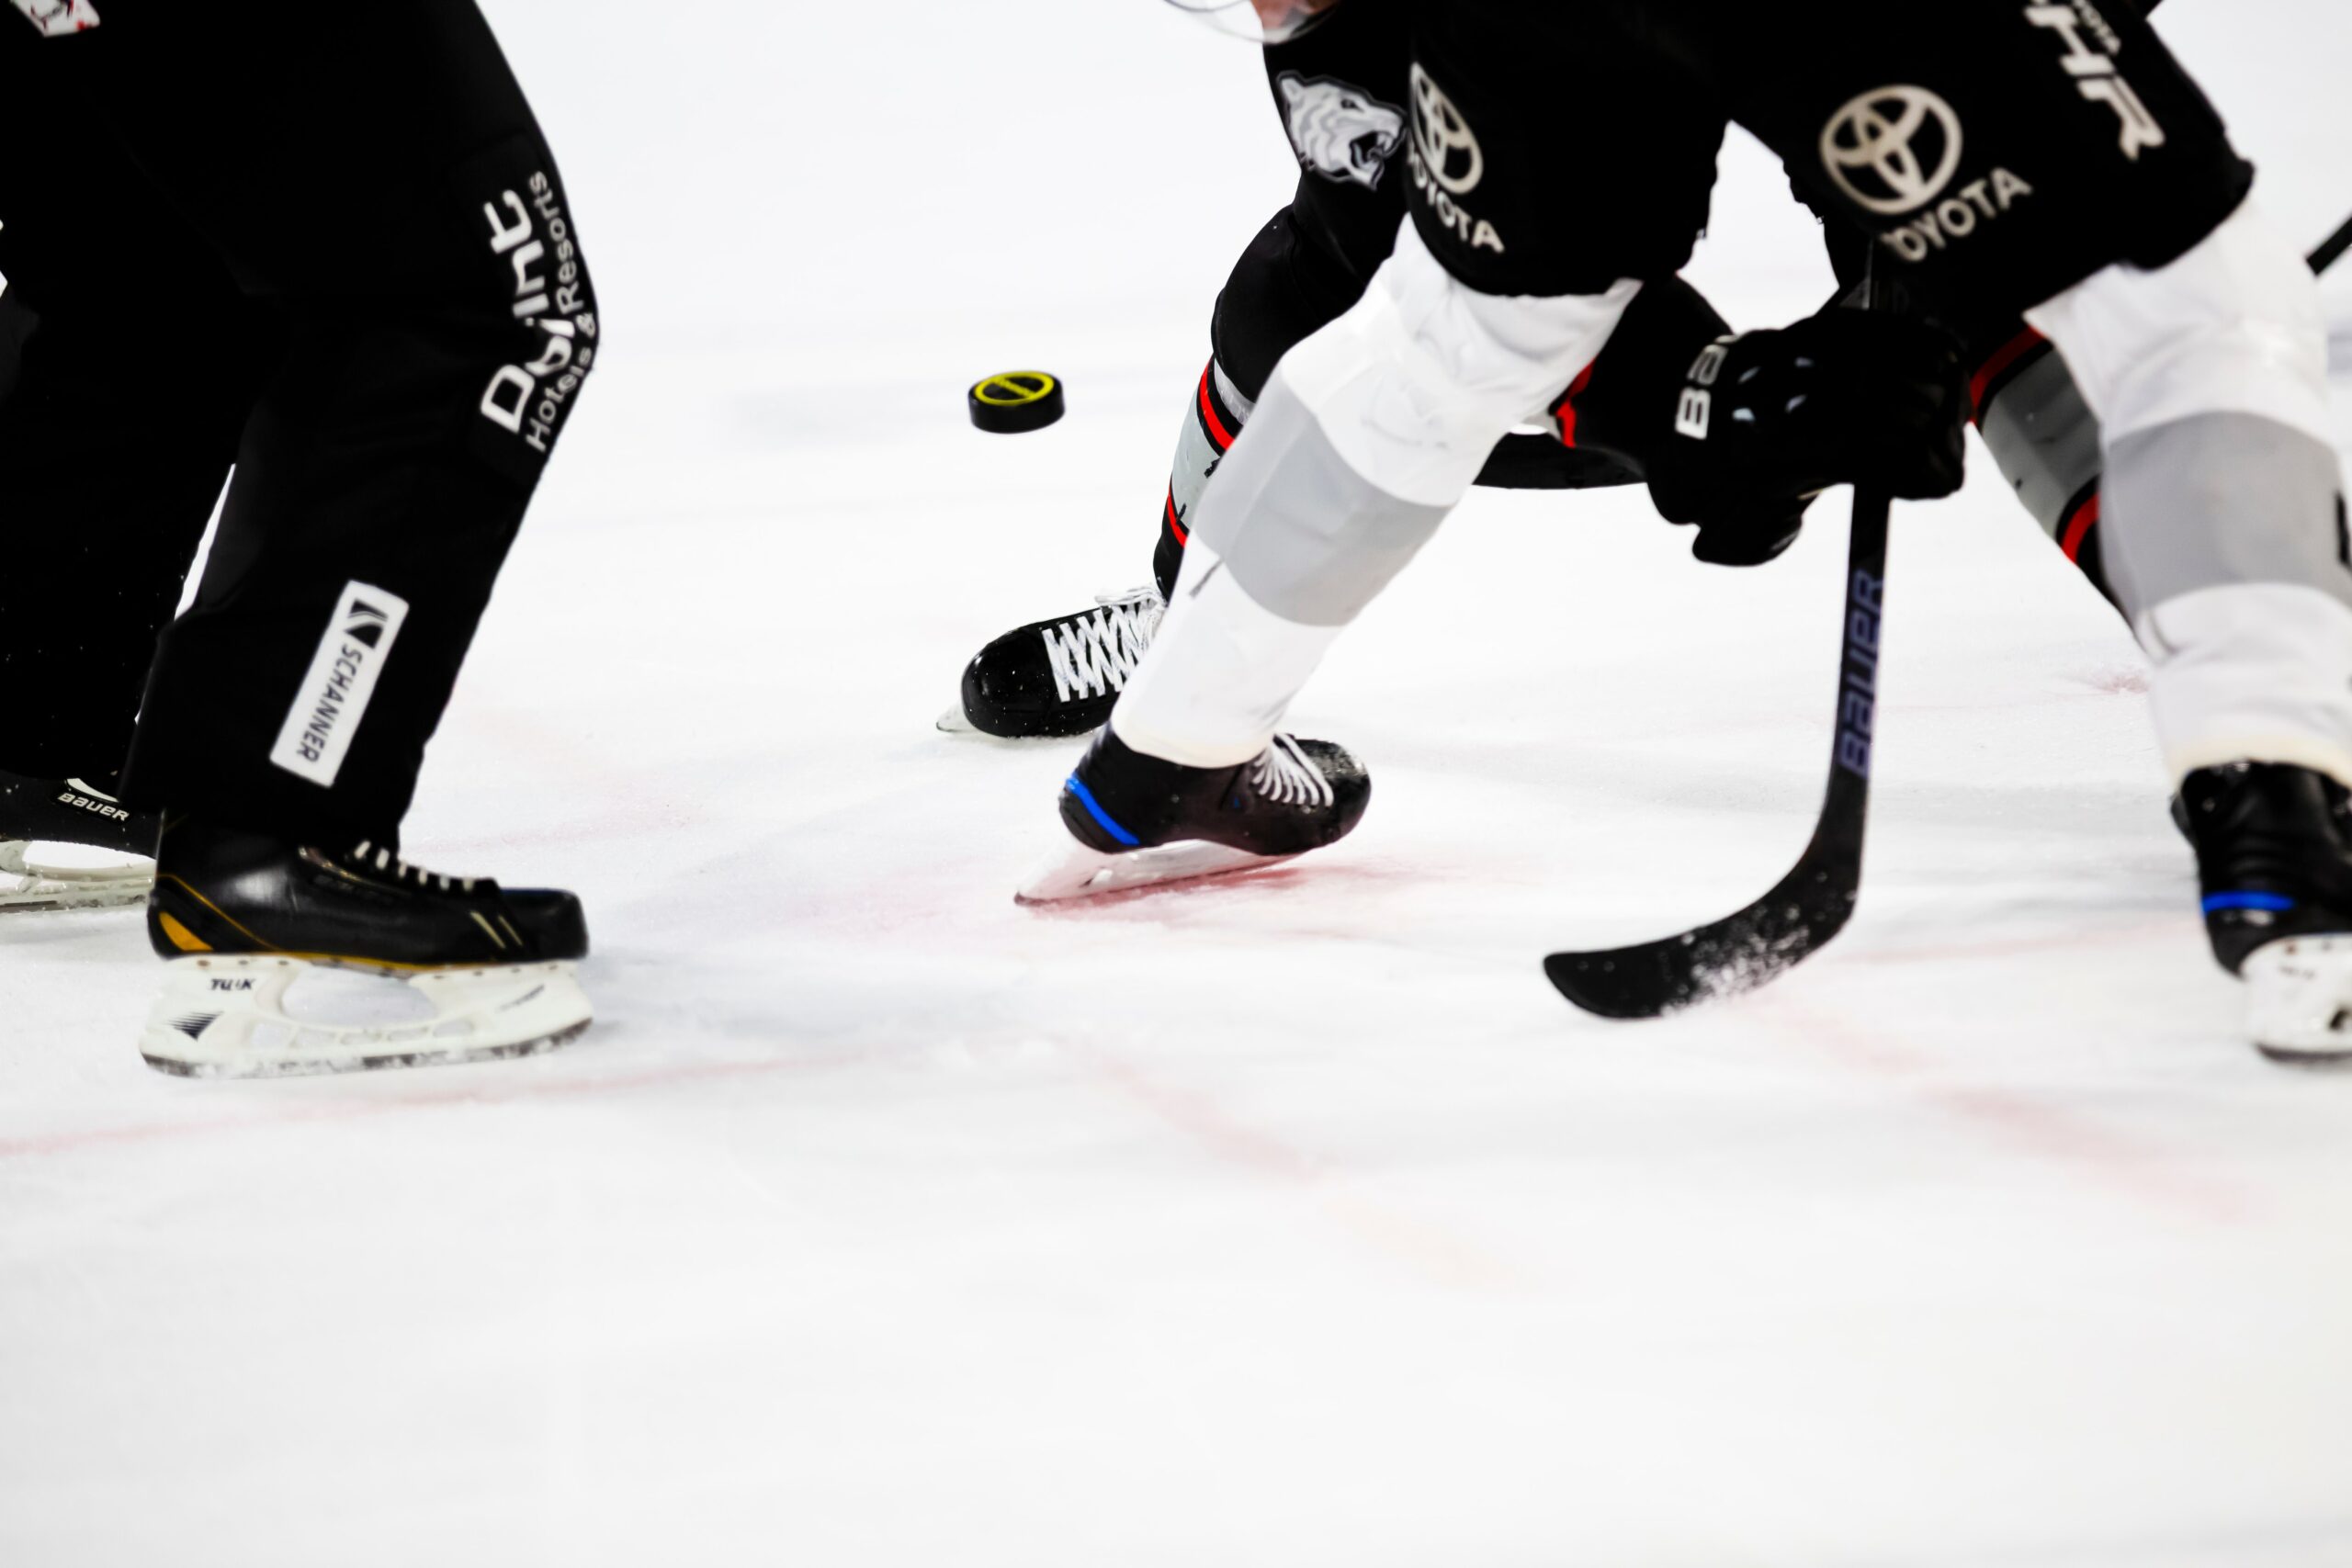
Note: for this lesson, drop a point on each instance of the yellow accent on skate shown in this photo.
(340, 960)
(181, 937)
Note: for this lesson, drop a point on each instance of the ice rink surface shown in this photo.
(1290, 1221)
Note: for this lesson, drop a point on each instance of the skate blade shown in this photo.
(952, 722)
(2299, 1000)
(243, 1017)
(1081, 873)
(27, 884)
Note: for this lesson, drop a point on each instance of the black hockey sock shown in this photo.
(2044, 438)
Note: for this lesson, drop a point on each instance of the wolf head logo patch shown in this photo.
(55, 18)
(1342, 134)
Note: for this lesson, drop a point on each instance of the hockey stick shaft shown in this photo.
(2332, 248)
(1844, 810)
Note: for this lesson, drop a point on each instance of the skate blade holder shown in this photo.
(1082, 873)
(2299, 1000)
(69, 876)
(271, 1017)
(952, 722)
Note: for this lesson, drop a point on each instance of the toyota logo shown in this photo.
(1449, 152)
(1892, 150)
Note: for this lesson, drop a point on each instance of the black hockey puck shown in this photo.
(1016, 402)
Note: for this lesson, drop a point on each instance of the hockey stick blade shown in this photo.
(1735, 955)
(1810, 905)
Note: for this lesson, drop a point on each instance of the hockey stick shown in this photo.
(2332, 249)
(1812, 903)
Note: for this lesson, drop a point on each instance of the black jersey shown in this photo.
(1995, 151)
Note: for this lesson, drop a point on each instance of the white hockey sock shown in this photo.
(1220, 674)
(2258, 672)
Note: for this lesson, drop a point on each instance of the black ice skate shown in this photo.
(1059, 678)
(388, 966)
(2273, 862)
(70, 812)
(1136, 821)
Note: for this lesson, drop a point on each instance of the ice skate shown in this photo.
(2277, 875)
(99, 853)
(1057, 677)
(287, 959)
(1138, 821)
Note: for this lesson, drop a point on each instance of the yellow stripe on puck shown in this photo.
(1015, 401)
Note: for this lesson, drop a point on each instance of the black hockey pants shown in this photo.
(326, 244)
(1344, 96)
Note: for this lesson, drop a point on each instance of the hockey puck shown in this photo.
(1016, 402)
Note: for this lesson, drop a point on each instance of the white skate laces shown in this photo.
(390, 864)
(1092, 655)
(1288, 776)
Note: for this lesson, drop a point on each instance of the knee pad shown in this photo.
(2209, 380)
(1288, 283)
(2222, 535)
(2233, 326)
(1373, 428)
(1415, 384)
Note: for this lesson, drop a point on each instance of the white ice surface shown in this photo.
(1289, 1221)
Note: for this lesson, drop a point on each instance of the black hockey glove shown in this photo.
(1748, 532)
(1769, 419)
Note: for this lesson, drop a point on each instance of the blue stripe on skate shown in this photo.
(1094, 809)
(2277, 903)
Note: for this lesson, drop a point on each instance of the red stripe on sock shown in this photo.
(1175, 525)
(2008, 354)
(1566, 412)
(2078, 526)
(1218, 432)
